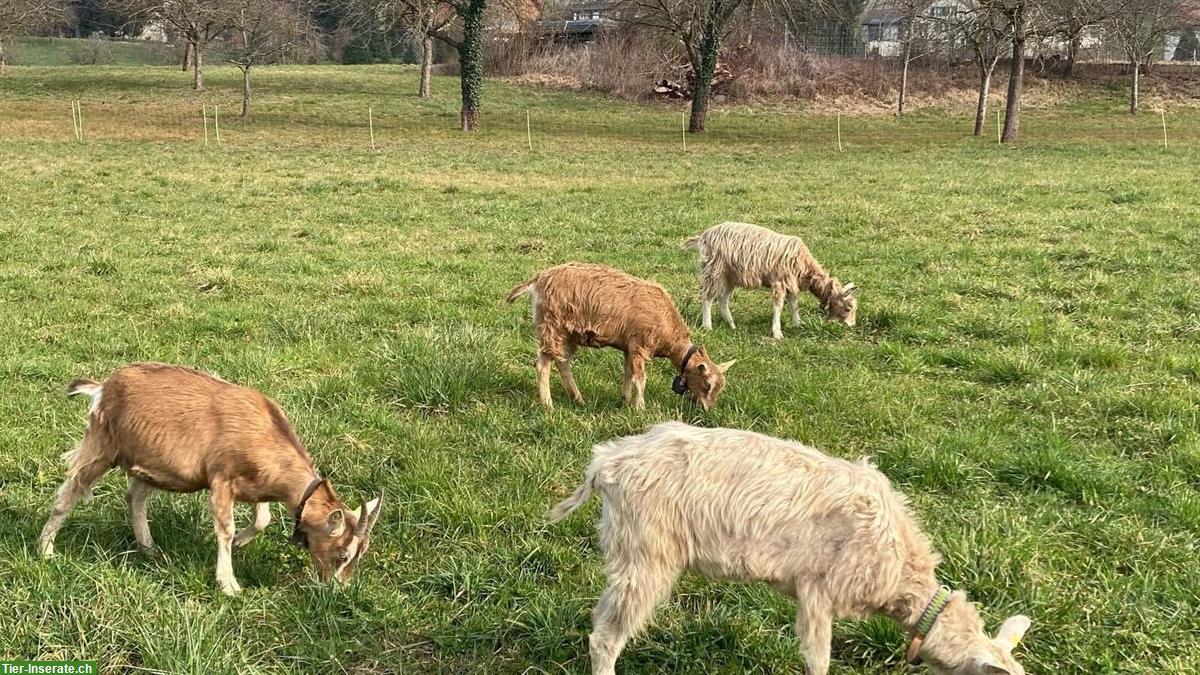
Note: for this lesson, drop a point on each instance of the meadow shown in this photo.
(1026, 366)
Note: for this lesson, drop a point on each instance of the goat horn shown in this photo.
(368, 515)
(375, 513)
(849, 288)
(363, 525)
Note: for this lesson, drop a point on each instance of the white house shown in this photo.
(885, 25)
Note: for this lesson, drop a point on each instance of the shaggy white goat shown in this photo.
(740, 255)
(830, 533)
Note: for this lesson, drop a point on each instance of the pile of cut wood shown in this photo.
(668, 89)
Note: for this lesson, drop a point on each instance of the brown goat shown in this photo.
(578, 304)
(177, 429)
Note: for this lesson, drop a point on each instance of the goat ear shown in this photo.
(701, 368)
(335, 524)
(849, 290)
(1012, 630)
(725, 366)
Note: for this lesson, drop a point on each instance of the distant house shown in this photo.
(885, 27)
(580, 21)
(1184, 44)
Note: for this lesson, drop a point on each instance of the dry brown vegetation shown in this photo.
(628, 66)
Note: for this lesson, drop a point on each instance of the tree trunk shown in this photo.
(1134, 102)
(904, 78)
(187, 56)
(710, 47)
(245, 91)
(470, 59)
(985, 86)
(1073, 48)
(3, 63)
(1016, 82)
(426, 66)
(197, 67)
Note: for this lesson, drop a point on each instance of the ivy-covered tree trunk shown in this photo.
(426, 66)
(1016, 80)
(470, 59)
(710, 47)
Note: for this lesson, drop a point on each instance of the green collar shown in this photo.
(933, 610)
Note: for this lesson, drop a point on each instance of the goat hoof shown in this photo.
(150, 551)
(231, 589)
(46, 549)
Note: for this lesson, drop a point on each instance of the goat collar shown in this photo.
(679, 386)
(933, 610)
(299, 537)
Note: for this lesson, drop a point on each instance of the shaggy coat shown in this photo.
(180, 430)
(740, 255)
(577, 304)
(832, 534)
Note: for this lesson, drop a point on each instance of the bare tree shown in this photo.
(22, 16)
(263, 31)
(699, 26)
(199, 22)
(458, 23)
(986, 31)
(1141, 27)
(1069, 20)
(426, 19)
(919, 30)
(1025, 20)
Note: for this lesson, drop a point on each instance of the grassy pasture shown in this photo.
(1025, 368)
(44, 51)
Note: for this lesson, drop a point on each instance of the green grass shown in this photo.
(40, 51)
(1025, 368)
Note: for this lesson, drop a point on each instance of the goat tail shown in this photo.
(577, 499)
(89, 388)
(84, 386)
(692, 242)
(520, 289)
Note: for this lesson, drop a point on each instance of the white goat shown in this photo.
(732, 504)
(740, 255)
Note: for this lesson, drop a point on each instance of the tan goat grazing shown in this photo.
(177, 429)
(577, 304)
(830, 533)
(740, 255)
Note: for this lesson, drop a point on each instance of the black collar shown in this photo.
(299, 537)
(679, 386)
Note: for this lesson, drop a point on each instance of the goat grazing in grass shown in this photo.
(577, 304)
(830, 533)
(740, 255)
(177, 429)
